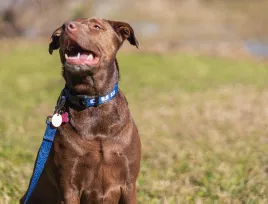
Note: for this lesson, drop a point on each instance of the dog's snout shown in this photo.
(70, 26)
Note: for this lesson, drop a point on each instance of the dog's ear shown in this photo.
(55, 40)
(124, 31)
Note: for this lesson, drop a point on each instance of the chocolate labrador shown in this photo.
(95, 156)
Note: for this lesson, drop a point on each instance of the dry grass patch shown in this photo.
(205, 146)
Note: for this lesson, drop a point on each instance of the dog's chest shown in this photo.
(91, 165)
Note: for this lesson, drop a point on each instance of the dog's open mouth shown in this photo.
(75, 54)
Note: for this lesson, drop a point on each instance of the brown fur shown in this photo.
(95, 158)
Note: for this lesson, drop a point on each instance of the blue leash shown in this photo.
(50, 132)
(42, 157)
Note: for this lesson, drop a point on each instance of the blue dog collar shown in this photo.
(87, 101)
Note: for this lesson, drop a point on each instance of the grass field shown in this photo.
(203, 122)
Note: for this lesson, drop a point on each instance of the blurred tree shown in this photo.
(9, 26)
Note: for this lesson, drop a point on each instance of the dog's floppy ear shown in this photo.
(124, 31)
(55, 40)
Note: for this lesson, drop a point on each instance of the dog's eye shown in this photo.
(97, 27)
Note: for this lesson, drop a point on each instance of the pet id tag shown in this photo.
(56, 120)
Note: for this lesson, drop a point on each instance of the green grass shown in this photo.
(203, 122)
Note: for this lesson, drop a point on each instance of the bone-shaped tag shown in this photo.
(65, 117)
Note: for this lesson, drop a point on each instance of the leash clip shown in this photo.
(48, 120)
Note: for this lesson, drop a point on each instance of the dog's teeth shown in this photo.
(90, 57)
(78, 55)
(66, 56)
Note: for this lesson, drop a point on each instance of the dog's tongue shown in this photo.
(86, 56)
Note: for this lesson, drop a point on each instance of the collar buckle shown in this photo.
(83, 101)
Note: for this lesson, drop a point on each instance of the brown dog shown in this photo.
(95, 157)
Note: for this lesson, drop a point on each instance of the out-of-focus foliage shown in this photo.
(225, 28)
(225, 19)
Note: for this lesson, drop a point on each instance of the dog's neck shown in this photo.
(97, 82)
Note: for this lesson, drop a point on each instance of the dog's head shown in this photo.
(90, 43)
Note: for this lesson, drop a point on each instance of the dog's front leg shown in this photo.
(70, 197)
(128, 195)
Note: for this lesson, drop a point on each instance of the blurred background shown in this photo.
(224, 27)
(197, 89)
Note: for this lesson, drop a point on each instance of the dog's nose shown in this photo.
(70, 26)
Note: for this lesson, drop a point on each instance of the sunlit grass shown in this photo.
(202, 121)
